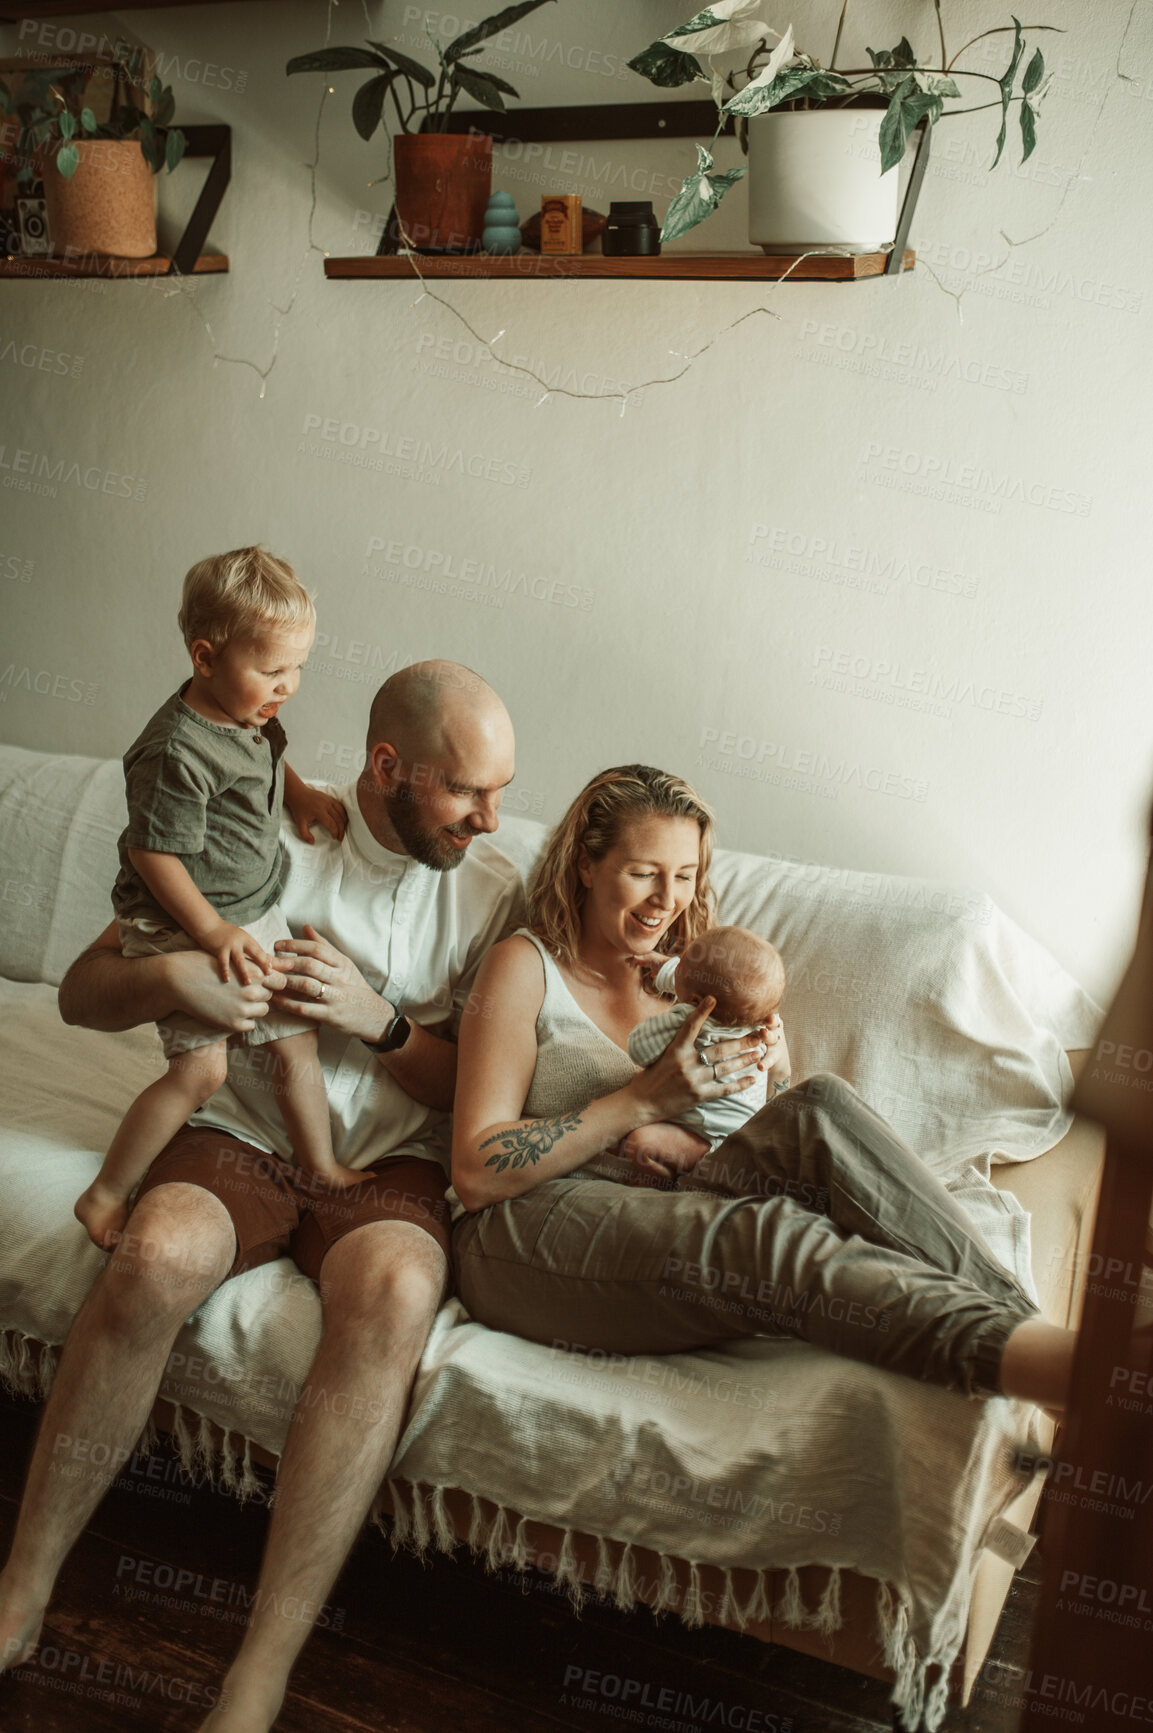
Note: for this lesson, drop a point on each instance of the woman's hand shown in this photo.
(682, 1077)
(327, 988)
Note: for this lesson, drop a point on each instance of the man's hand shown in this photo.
(662, 1151)
(328, 989)
(105, 990)
(194, 986)
(308, 806)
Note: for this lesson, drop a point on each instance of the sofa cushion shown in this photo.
(59, 821)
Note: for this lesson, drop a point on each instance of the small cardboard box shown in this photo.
(561, 225)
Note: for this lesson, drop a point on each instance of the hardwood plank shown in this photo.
(415, 1648)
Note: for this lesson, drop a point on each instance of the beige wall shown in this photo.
(878, 489)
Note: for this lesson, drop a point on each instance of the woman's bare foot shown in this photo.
(103, 1212)
(1037, 1365)
(248, 1704)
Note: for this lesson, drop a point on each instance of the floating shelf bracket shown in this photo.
(214, 141)
(909, 202)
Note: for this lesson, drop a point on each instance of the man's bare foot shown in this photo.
(20, 1622)
(103, 1212)
(247, 1704)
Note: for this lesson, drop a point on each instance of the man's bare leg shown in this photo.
(380, 1287)
(178, 1248)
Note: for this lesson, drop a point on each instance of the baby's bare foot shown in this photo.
(103, 1213)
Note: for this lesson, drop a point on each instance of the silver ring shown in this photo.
(320, 989)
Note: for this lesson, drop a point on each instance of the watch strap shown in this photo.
(396, 1033)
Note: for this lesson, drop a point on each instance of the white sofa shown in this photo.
(763, 1484)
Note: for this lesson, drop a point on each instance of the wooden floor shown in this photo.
(410, 1648)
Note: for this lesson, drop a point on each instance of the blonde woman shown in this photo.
(813, 1219)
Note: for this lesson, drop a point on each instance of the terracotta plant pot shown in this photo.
(815, 181)
(108, 206)
(443, 183)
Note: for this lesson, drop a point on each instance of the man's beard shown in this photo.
(425, 845)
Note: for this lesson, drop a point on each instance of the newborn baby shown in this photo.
(746, 977)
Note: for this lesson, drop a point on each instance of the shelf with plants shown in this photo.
(792, 115)
(93, 147)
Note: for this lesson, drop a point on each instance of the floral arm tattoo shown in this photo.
(525, 1144)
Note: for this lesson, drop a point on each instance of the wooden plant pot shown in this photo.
(443, 183)
(815, 181)
(108, 206)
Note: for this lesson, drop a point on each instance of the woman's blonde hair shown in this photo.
(594, 823)
(236, 595)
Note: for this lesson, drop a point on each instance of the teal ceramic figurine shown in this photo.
(501, 230)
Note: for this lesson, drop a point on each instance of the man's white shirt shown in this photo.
(417, 936)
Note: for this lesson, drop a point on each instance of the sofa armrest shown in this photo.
(1059, 1189)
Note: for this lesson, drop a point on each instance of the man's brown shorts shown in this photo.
(275, 1209)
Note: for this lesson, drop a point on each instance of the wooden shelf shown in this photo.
(159, 265)
(74, 8)
(526, 266)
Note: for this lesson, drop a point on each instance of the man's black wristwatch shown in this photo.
(395, 1035)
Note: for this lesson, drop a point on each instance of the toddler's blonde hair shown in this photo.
(234, 595)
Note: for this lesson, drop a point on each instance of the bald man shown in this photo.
(393, 922)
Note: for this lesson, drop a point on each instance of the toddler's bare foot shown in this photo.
(103, 1212)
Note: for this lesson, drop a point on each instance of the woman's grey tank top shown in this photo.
(575, 1062)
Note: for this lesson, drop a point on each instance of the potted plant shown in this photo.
(443, 179)
(99, 175)
(803, 189)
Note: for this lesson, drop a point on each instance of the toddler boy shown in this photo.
(202, 863)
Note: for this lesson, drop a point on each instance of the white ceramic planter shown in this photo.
(815, 181)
